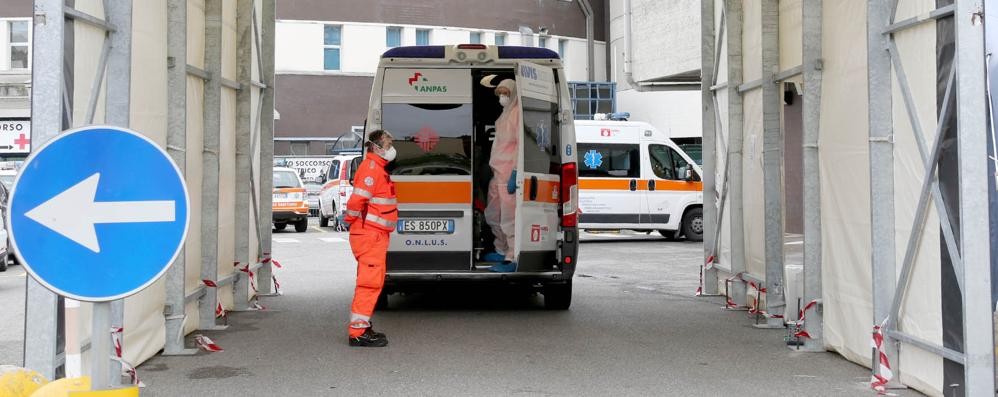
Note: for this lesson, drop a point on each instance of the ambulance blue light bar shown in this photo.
(515, 52)
(428, 51)
(437, 51)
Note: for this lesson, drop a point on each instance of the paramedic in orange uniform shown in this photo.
(371, 213)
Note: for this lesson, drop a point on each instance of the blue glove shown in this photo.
(511, 184)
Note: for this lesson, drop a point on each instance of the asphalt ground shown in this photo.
(634, 328)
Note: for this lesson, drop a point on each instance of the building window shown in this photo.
(18, 43)
(561, 47)
(422, 36)
(332, 37)
(589, 98)
(476, 38)
(500, 38)
(543, 42)
(299, 148)
(394, 38)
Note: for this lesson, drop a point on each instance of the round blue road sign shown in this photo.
(98, 213)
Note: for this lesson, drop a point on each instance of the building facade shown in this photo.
(327, 53)
(15, 79)
(670, 99)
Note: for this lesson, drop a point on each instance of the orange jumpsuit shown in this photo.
(372, 212)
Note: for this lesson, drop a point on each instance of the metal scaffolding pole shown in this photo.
(879, 16)
(176, 146)
(772, 160)
(268, 18)
(41, 317)
(708, 66)
(978, 333)
(811, 24)
(117, 108)
(244, 122)
(210, 181)
(733, 14)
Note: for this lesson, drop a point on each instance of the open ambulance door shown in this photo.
(538, 168)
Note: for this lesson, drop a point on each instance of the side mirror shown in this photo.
(688, 176)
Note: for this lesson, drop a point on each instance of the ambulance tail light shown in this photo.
(569, 190)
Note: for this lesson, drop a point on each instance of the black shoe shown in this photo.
(370, 339)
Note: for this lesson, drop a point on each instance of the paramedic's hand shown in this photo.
(511, 184)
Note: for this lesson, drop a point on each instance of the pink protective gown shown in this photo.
(500, 212)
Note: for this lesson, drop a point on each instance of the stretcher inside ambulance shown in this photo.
(443, 121)
(633, 177)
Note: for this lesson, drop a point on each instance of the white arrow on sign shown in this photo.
(74, 212)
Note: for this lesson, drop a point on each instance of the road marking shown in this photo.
(332, 239)
(285, 240)
(318, 229)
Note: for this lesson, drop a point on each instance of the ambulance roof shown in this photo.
(439, 51)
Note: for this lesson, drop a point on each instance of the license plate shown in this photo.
(415, 226)
(283, 204)
(278, 196)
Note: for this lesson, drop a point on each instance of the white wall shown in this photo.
(676, 113)
(300, 43)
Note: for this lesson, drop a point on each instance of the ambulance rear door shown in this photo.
(538, 169)
(429, 112)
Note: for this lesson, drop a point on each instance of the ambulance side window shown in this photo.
(609, 160)
(667, 163)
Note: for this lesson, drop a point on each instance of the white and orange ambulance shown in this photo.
(290, 205)
(430, 99)
(632, 176)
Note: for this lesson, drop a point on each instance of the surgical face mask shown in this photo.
(390, 154)
(504, 100)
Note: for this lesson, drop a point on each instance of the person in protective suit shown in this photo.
(500, 213)
(372, 212)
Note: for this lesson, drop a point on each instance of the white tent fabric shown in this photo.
(845, 177)
(144, 333)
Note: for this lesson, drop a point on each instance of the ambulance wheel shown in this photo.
(323, 220)
(558, 296)
(382, 303)
(301, 226)
(693, 224)
(280, 226)
(3, 263)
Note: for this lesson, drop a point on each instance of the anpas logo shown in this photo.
(423, 85)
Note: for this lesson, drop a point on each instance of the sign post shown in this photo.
(98, 214)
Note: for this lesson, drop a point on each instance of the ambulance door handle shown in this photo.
(634, 185)
(651, 185)
(533, 188)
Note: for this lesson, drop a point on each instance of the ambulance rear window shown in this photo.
(431, 139)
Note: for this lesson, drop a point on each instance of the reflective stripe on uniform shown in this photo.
(362, 192)
(355, 317)
(383, 200)
(380, 221)
(353, 213)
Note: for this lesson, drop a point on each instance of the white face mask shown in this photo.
(504, 100)
(390, 154)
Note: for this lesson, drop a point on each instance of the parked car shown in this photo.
(312, 190)
(337, 187)
(290, 204)
(6, 257)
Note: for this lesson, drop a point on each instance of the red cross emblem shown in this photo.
(22, 141)
(426, 138)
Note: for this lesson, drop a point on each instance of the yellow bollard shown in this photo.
(126, 392)
(63, 387)
(19, 382)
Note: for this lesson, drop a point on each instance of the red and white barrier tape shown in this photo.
(220, 311)
(728, 303)
(252, 276)
(799, 331)
(277, 285)
(884, 374)
(126, 367)
(206, 344)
